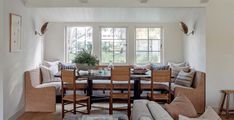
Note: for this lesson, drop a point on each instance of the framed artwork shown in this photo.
(15, 32)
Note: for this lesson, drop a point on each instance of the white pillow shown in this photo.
(53, 66)
(47, 75)
(182, 64)
(209, 114)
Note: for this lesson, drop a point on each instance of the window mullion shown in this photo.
(148, 46)
(113, 46)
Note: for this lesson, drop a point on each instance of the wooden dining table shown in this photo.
(106, 75)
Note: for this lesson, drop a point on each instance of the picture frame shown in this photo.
(15, 32)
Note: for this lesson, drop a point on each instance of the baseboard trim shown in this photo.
(17, 114)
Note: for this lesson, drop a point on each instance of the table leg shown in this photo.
(137, 89)
(90, 89)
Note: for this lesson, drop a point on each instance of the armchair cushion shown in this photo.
(158, 112)
(141, 111)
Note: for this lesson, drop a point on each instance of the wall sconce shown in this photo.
(43, 29)
(184, 29)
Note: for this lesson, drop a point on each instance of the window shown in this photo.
(113, 45)
(148, 45)
(78, 39)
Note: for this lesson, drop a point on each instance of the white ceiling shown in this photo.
(115, 3)
(156, 15)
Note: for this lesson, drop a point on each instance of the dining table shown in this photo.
(106, 75)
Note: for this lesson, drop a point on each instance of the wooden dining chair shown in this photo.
(68, 78)
(120, 74)
(160, 77)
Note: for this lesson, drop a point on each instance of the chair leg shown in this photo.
(62, 109)
(169, 98)
(88, 106)
(129, 107)
(74, 107)
(111, 106)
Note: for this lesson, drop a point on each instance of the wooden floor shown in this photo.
(57, 115)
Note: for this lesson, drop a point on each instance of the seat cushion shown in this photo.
(101, 81)
(57, 85)
(81, 81)
(173, 86)
(123, 82)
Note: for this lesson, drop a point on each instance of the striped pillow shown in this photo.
(175, 70)
(63, 66)
(185, 79)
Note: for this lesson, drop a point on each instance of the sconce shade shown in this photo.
(43, 28)
(184, 27)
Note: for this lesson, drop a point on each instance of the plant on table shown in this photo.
(85, 59)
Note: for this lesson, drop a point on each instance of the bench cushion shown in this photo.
(57, 85)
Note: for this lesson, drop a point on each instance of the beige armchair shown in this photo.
(38, 99)
(196, 93)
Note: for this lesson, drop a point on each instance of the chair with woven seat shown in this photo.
(69, 78)
(160, 77)
(120, 74)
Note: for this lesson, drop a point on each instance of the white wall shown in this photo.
(54, 40)
(1, 63)
(14, 64)
(220, 49)
(195, 45)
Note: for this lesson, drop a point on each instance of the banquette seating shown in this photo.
(41, 97)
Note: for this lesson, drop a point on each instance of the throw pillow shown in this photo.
(181, 105)
(160, 67)
(47, 75)
(158, 112)
(175, 70)
(185, 79)
(146, 66)
(182, 64)
(209, 114)
(53, 66)
(66, 66)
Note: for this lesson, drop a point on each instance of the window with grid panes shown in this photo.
(148, 45)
